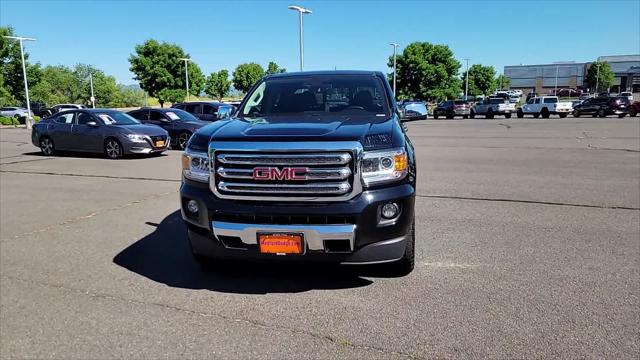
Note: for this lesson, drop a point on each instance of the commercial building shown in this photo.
(544, 78)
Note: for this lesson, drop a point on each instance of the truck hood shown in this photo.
(367, 130)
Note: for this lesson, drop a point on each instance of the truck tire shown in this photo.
(507, 116)
(633, 112)
(520, 114)
(406, 264)
(435, 115)
(489, 114)
(536, 115)
(602, 113)
(545, 113)
(562, 116)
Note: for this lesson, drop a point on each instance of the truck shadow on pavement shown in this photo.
(164, 256)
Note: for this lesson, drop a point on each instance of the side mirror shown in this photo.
(413, 111)
(224, 112)
(92, 124)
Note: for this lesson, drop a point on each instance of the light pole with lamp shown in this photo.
(466, 87)
(186, 73)
(301, 11)
(24, 74)
(395, 47)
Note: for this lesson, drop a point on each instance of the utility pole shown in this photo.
(186, 73)
(597, 77)
(301, 11)
(93, 98)
(395, 47)
(555, 88)
(466, 87)
(24, 74)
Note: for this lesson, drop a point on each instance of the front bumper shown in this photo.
(462, 111)
(131, 147)
(228, 229)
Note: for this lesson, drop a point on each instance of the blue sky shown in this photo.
(343, 34)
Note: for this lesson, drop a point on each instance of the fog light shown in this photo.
(192, 206)
(390, 210)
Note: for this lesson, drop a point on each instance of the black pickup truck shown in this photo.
(313, 166)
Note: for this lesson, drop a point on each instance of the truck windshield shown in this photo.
(326, 95)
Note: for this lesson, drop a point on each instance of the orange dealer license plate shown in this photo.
(280, 243)
(160, 143)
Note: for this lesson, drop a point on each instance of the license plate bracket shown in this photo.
(281, 243)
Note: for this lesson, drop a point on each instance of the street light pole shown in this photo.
(395, 47)
(597, 77)
(301, 11)
(186, 73)
(24, 74)
(93, 99)
(466, 87)
(555, 88)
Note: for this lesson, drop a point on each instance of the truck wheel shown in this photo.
(633, 112)
(472, 115)
(601, 113)
(545, 113)
(507, 116)
(520, 114)
(536, 115)
(405, 265)
(489, 114)
(576, 113)
(564, 115)
(435, 115)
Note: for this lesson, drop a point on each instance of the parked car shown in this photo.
(634, 108)
(111, 132)
(628, 95)
(14, 112)
(545, 106)
(61, 107)
(206, 110)
(256, 187)
(452, 108)
(585, 95)
(602, 106)
(493, 106)
(568, 93)
(178, 123)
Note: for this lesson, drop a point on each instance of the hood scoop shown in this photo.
(291, 129)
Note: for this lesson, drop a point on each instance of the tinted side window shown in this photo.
(550, 100)
(155, 115)
(179, 106)
(140, 115)
(193, 108)
(65, 118)
(209, 109)
(536, 101)
(84, 118)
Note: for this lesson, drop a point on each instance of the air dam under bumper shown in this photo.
(364, 240)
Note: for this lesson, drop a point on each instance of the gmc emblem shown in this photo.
(285, 173)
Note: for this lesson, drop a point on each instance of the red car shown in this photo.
(634, 108)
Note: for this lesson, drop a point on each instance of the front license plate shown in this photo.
(280, 243)
(160, 143)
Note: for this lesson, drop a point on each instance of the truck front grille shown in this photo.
(285, 174)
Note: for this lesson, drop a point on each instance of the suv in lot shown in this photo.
(314, 166)
(206, 110)
(452, 108)
(545, 106)
(603, 106)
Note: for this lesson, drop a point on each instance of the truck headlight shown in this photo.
(386, 166)
(136, 138)
(195, 166)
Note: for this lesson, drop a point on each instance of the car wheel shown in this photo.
(182, 140)
(562, 115)
(489, 114)
(545, 113)
(622, 115)
(449, 116)
(113, 149)
(576, 113)
(406, 264)
(602, 113)
(507, 116)
(472, 115)
(465, 116)
(435, 115)
(47, 147)
(520, 114)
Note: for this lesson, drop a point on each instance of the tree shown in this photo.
(481, 79)
(157, 67)
(171, 95)
(11, 66)
(600, 75)
(245, 75)
(273, 68)
(502, 82)
(427, 71)
(218, 84)
(6, 99)
(105, 88)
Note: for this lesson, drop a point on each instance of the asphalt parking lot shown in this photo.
(528, 246)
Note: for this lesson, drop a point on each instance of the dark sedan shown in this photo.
(206, 110)
(178, 123)
(111, 132)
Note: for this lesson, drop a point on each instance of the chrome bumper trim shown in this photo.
(314, 235)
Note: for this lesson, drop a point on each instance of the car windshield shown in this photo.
(328, 95)
(177, 114)
(116, 118)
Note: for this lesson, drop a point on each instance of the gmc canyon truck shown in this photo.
(313, 166)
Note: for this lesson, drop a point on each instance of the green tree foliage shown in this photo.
(502, 82)
(273, 68)
(481, 79)
(427, 71)
(171, 95)
(245, 75)
(157, 67)
(11, 66)
(6, 99)
(131, 96)
(600, 74)
(218, 84)
(105, 88)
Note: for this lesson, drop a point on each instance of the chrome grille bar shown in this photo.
(286, 159)
(311, 174)
(339, 188)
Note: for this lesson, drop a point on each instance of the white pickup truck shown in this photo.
(493, 106)
(545, 106)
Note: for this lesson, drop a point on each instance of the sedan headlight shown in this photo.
(195, 166)
(136, 138)
(380, 167)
